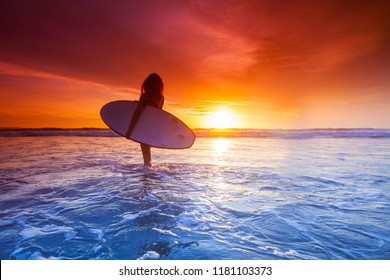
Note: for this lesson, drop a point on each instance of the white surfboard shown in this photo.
(155, 127)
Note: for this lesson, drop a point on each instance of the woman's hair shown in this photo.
(153, 84)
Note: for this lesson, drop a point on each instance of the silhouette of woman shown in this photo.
(152, 95)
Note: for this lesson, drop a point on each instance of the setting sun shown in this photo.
(221, 119)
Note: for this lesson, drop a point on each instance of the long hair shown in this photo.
(153, 84)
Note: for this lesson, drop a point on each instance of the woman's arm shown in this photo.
(134, 119)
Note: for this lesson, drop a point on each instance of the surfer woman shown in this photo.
(152, 95)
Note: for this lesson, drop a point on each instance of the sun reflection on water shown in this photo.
(220, 146)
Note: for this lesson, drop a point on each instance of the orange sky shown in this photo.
(272, 64)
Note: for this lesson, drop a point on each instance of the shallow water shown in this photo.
(225, 198)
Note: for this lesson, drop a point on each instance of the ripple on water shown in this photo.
(295, 202)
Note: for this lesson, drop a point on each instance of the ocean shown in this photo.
(313, 194)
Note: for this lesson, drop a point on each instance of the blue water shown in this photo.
(255, 195)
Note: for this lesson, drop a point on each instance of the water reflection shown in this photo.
(220, 146)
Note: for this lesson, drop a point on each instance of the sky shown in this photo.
(224, 63)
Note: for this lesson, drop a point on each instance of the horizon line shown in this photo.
(199, 128)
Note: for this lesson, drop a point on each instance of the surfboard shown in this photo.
(155, 127)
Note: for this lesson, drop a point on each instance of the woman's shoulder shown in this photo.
(152, 100)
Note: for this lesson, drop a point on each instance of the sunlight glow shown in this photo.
(221, 119)
(220, 145)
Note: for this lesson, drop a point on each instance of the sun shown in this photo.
(221, 119)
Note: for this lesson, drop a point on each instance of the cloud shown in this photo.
(35, 99)
(118, 43)
(288, 53)
(295, 38)
(205, 107)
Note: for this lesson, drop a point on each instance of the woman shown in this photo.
(152, 95)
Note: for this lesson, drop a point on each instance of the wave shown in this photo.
(211, 133)
(75, 132)
(296, 133)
